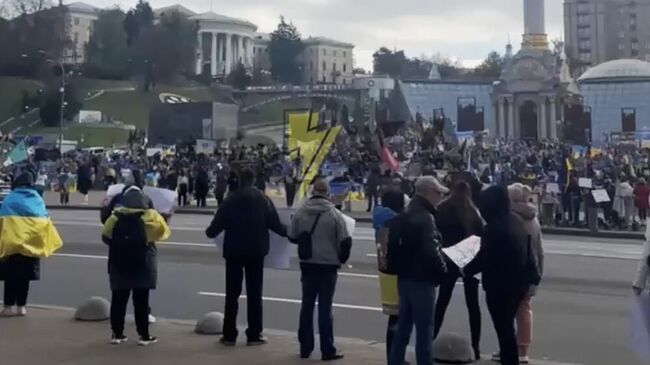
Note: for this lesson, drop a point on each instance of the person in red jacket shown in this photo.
(641, 195)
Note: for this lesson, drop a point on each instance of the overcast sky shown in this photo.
(464, 29)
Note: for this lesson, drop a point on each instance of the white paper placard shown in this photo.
(350, 224)
(114, 190)
(553, 188)
(464, 251)
(163, 199)
(600, 196)
(583, 182)
(280, 249)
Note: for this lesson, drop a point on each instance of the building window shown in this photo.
(76, 38)
(345, 67)
(311, 65)
(335, 52)
(621, 34)
(324, 52)
(585, 57)
(76, 21)
(647, 57)
(334, 66)
(635, 46)
(345, 53)
(324, 66)
(324, 79)
(621, 46)
(345, 81)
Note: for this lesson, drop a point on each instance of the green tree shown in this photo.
(491, 67)
(138, 20)
(51, 107)
(167, 49)
(239, 78)
(108, 54)
(388, 62)
(284, 49)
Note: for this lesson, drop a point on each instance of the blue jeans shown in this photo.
(416, 307)
(318, 282)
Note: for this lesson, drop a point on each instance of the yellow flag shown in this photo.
(313, 143)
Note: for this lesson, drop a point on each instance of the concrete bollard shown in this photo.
(452, 348)
(93, 309)
(210, 324)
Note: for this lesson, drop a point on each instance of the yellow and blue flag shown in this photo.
(25, 226)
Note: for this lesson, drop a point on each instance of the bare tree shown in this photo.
(23, 7)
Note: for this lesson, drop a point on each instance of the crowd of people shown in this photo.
(416, 279)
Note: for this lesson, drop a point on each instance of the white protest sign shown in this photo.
(280, 249)
(464, 251)
(153, 151)
(553, 188)
(585, 183)
(350, 224)
(114, 190)
(163, 199)
(600, 196)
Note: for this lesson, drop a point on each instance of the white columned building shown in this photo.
(223, 42)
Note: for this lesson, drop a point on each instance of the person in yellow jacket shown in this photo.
(131, 233)
(392, 204)
(26, 235)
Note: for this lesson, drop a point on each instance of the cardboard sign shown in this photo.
(464, 251)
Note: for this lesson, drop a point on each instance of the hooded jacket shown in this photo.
(329, 234)
(528, 213)
(503, 258)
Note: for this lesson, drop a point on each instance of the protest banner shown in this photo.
(600, 196)
(583, 182)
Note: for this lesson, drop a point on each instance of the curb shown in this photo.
(546, 230)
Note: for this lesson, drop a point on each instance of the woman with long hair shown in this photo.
(457, 219)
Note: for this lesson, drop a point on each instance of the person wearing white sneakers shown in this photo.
(26, 235)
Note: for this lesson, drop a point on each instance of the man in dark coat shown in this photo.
(246, 216)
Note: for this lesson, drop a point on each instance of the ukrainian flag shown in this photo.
(25, 226)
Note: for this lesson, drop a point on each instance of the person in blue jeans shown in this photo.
(330, 247)
(414, 256)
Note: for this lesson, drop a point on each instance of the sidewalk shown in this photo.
(358, 213)
(50, 336)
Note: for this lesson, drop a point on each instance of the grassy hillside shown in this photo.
(11, 95)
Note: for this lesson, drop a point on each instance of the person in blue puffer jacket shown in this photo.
(393, 203)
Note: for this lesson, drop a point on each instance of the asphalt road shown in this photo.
(581, 312)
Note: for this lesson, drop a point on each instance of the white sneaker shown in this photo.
(7, 312)
(152, 319)
(524, 360)
(21, 311)
(496, 357)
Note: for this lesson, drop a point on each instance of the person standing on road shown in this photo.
(26, 235)
(372, 188)
(458, 218)
(414, 256)
(246, 216)
(84, 179)
(183, 188)
(526, 211)
(202, 187)
(507, 265)
(330, 244)
(131, 233)
(642, 278)
(392, 204)
(641, 194)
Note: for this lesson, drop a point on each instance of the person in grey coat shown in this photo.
(331, 244)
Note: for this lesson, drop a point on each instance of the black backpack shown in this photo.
(128, 248)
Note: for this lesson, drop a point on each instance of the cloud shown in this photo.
(463, 29)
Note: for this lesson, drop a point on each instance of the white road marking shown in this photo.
(79, 256)
(16, 130)
(34, 123)
(296, 301)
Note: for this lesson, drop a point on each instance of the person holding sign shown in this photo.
(458, 218)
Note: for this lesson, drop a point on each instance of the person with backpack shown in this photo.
(246, 217)
(324, 243)
(131, 233)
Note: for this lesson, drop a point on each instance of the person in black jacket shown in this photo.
(508, 268)
(457, 219)
(246, 216)
(414, 255)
